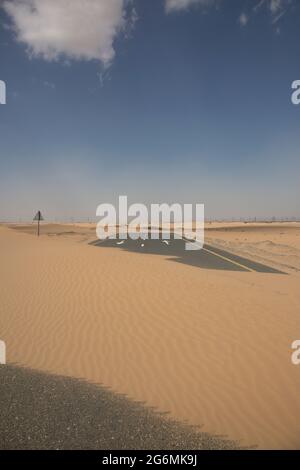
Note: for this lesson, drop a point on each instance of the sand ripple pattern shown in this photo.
(210, 347)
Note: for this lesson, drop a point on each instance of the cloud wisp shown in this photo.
(177, 5)
(243, 19)
(276, 8)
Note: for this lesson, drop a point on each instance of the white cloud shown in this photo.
(243, 19)
(69, 29)
(176, 5)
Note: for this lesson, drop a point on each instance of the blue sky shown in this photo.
(161, 100)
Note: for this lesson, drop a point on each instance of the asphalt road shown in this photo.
(43, 411)
(208, 257)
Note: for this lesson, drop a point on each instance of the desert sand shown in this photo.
(276, 244)
(211, 347)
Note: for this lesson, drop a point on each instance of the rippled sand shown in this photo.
(211, 347)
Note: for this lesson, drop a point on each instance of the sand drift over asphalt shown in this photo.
(209, 346)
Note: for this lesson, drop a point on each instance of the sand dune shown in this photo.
(277, 244)
(210, 347)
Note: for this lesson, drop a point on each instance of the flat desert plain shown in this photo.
(208, 345)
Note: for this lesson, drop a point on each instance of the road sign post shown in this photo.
(38, 217)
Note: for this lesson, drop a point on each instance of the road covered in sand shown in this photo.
(209, 343)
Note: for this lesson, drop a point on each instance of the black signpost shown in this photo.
(38, 217)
